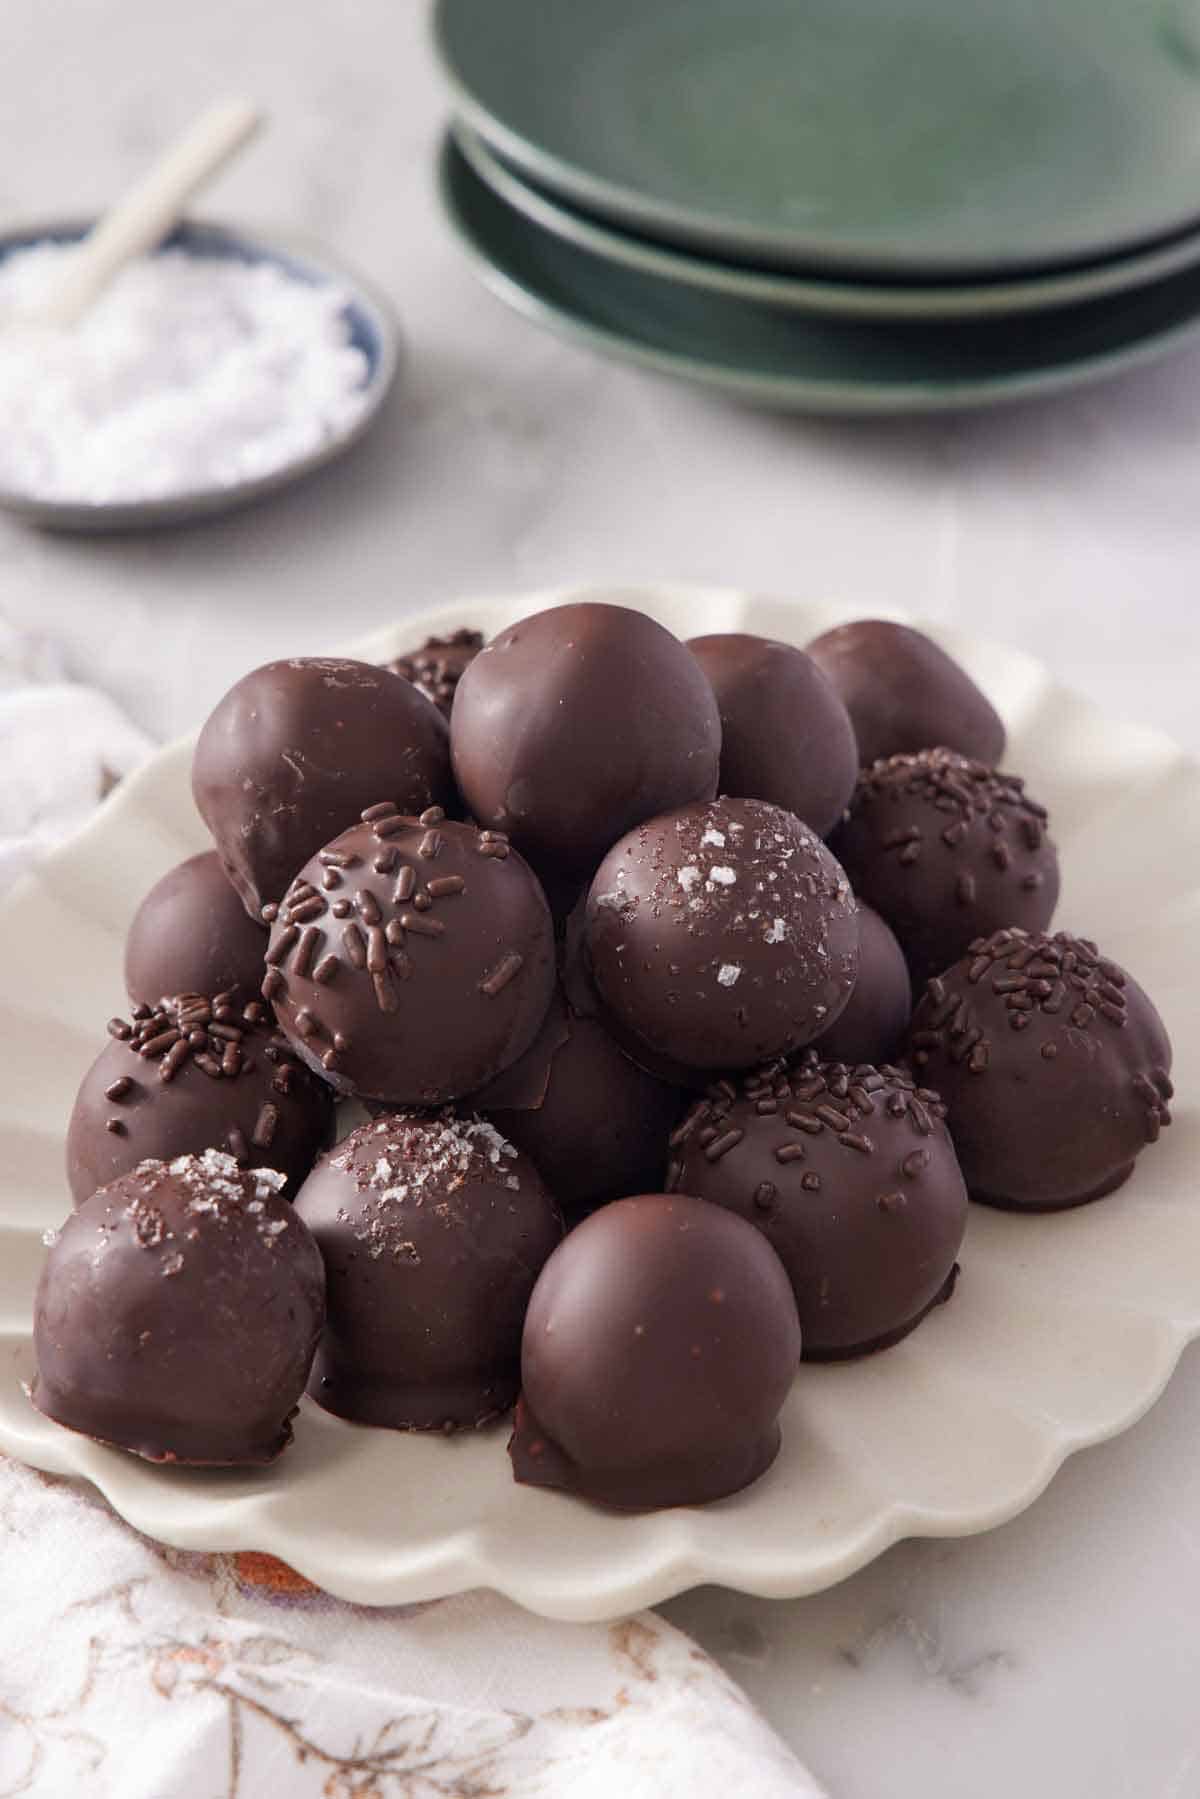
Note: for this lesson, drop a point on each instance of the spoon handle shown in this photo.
(152, 207)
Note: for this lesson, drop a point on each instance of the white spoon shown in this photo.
(149, 211)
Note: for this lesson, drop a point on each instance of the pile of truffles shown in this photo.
(688, 994)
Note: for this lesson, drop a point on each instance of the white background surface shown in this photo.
(1061, 1654)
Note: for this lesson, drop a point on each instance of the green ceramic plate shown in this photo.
(948, 136)
(787, 360)
(843, 299)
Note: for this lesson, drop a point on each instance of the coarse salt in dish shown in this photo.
(187, 373)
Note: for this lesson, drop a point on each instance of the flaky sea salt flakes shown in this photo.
(188, 372)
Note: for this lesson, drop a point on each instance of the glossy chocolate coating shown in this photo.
(178, 1312)
(660, 1344)
(294, 752)
(578, 723)
(947, 850)
(905, 693)
(851, 1176)
(191, 934)
(873, 1023)
(412, 959)
(436, 668)
(722, 934)
(151, 1094)
(785, 735)
(1053, 1062)
(601, 1129)
(433, 1230)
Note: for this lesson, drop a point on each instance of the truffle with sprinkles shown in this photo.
(946, 849)
(190, 1075)
(437, 667)
(433, 1230)
(178, 1313)
(1055, 1065)
(722, 934)
(851, 1175)
(412, 959)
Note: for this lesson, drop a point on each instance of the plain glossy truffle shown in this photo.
(722, 934)
(660, 1344)
(293, 753)
(578, 723)
(433, 1230)
(851, 1176)
(191, 934)
(872, 1025)
(178, 1312)
(947, 850)
(600, 1131)
(904, 693)
(1054, 1064)
(412, 959)
(785, 735)
(192, 1075)
(436, 668)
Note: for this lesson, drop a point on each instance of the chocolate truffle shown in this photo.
(433, 1231)
(947, 850)
(436, 668)
(722, 934)
(178, 1312)
(412, 959)
(578, 723)
(600, 1131)
(293, 753)
(851, 1176)
(785, 735)
(1053, 1062)
(660, 1344)
(872, 1026)
(191, 934)
(904, 693)
(195, 1074)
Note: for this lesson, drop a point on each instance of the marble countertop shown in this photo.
(1059, 1654)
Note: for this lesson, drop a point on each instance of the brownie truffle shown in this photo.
(874, 1021)
(191, 934)
(195, 1074)
(412, 959)
(433, 1231)
(436, 668)
(947, 850)
(659, 1347)
(722, 934)
(851, 1176)
(293, 753)
(600, 1131)
(578, 723)
(1053, 1062)
(904, 693)
(178, 1312)
(785, 735)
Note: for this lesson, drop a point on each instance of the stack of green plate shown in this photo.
(836, 205)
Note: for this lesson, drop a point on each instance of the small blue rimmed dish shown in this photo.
(371, 329)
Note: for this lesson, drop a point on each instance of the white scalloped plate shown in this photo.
(1064, 1329)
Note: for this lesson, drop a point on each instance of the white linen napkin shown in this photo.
(129, 1671)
